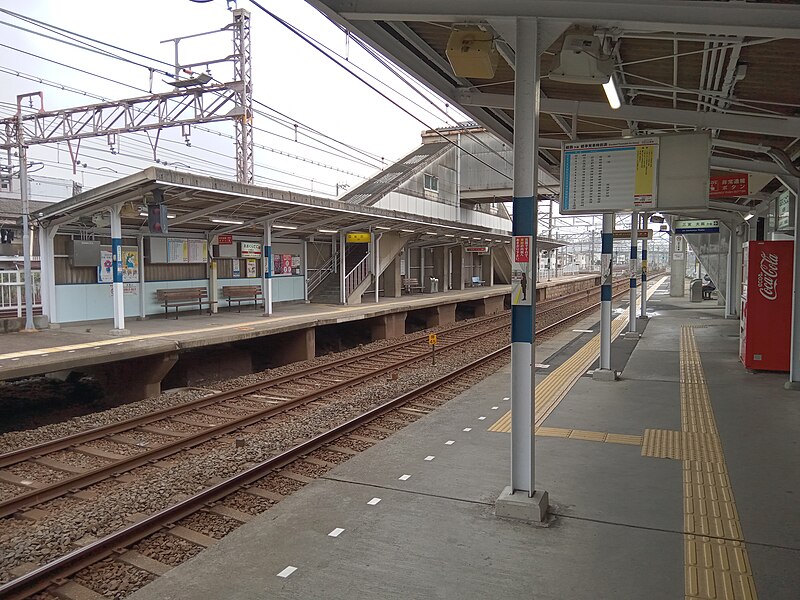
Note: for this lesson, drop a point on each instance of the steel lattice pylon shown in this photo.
(243, 73)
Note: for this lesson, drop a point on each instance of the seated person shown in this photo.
(708, 286)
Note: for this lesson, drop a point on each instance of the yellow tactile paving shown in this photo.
(591, 436)
(680, 445)
(715, 556)
(556, 385)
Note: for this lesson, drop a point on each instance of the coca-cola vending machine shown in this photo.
(766, 325)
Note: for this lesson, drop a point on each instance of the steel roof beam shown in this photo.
(688, 16)
(776, 126)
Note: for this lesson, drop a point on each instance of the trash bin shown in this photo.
(696, 290)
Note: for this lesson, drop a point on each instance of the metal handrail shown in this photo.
(319, 275)
(357, 275)
(12, 285)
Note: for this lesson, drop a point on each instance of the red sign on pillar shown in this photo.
(730, 184)
(225, 239)
(522, 248)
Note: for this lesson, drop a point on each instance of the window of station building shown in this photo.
(431, 183)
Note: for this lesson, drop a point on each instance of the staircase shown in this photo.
(327, 292)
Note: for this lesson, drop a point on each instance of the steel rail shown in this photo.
(81, 480)
(42, 577)
(16, 456)
(62, 567)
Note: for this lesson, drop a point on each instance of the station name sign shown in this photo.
(697, 226)
(358, 237)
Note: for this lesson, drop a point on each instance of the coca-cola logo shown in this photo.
(768, 277)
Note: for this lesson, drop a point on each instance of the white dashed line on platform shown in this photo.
(467, 428)
(287, 571)
(540, 366)
(481, 418)
(430, 457)
(506, 398)
(583, 330)
(404, 477)
(336, 532)
(495, 407)
(449, 442)
(374, 501)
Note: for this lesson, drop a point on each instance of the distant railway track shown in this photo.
(392, 414)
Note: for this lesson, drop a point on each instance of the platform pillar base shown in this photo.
(792, 385)
(489, 306)
(522, 508)
(604, 375)
(632, 335)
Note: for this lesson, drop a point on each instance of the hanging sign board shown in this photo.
(250, 249)
(478, 249)
(605, 175)
(784, 211)
(358, 238)
(225, 239)
(666, 172)
(730, 184)
(522, 272)
(697, 226)
(625, 234)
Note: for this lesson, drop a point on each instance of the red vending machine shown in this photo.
(766, 325)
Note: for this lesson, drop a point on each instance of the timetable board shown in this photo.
(609, 175)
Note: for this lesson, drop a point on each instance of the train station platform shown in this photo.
(679, 480)
(219, 342)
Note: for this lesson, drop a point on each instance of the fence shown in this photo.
(12, 293)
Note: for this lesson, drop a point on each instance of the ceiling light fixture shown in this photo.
(612, 93)
(227, 221)
(407, 230)
(748, 216)
(384, 228)
(284, 227)
(327, 230)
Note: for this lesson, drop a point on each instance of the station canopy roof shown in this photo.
(206, 206)
(680, 65)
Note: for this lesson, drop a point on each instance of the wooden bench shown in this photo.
(477, 281)
(410, 284)
(242, 293)
(177, 297)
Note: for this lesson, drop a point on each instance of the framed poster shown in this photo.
(252, 271)
(130, 265)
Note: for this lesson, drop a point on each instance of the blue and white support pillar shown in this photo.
(604, 373)
(521, 499)
(118, 297)
(644, 268)
(632, 271)
(266, 276)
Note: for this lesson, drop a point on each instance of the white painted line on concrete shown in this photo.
(583, 330)
(449, 442)
(495, 407)
(430, 457)
(481, 418)
(590, 372)
(541, 366)
(45, 354)
(467, 428)
(336, 532)
(287, 571)
(506, 398)
(26, 482)
(404, 477)
(70, 351)
(13, 359)
(374, 501)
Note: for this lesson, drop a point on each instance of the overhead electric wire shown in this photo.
(314, 44)
(291, 124)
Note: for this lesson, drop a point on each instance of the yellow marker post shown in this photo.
(432, 341)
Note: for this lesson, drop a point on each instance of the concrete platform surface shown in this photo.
(620, 517)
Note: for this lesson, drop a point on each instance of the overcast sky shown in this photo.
(288, 75)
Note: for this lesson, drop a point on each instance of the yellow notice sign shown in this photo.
(432, 339)
(644, 183)
(358, 238)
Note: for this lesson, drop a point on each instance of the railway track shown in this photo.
(417, 403)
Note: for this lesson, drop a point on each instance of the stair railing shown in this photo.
(357, 275)
(317, 276)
